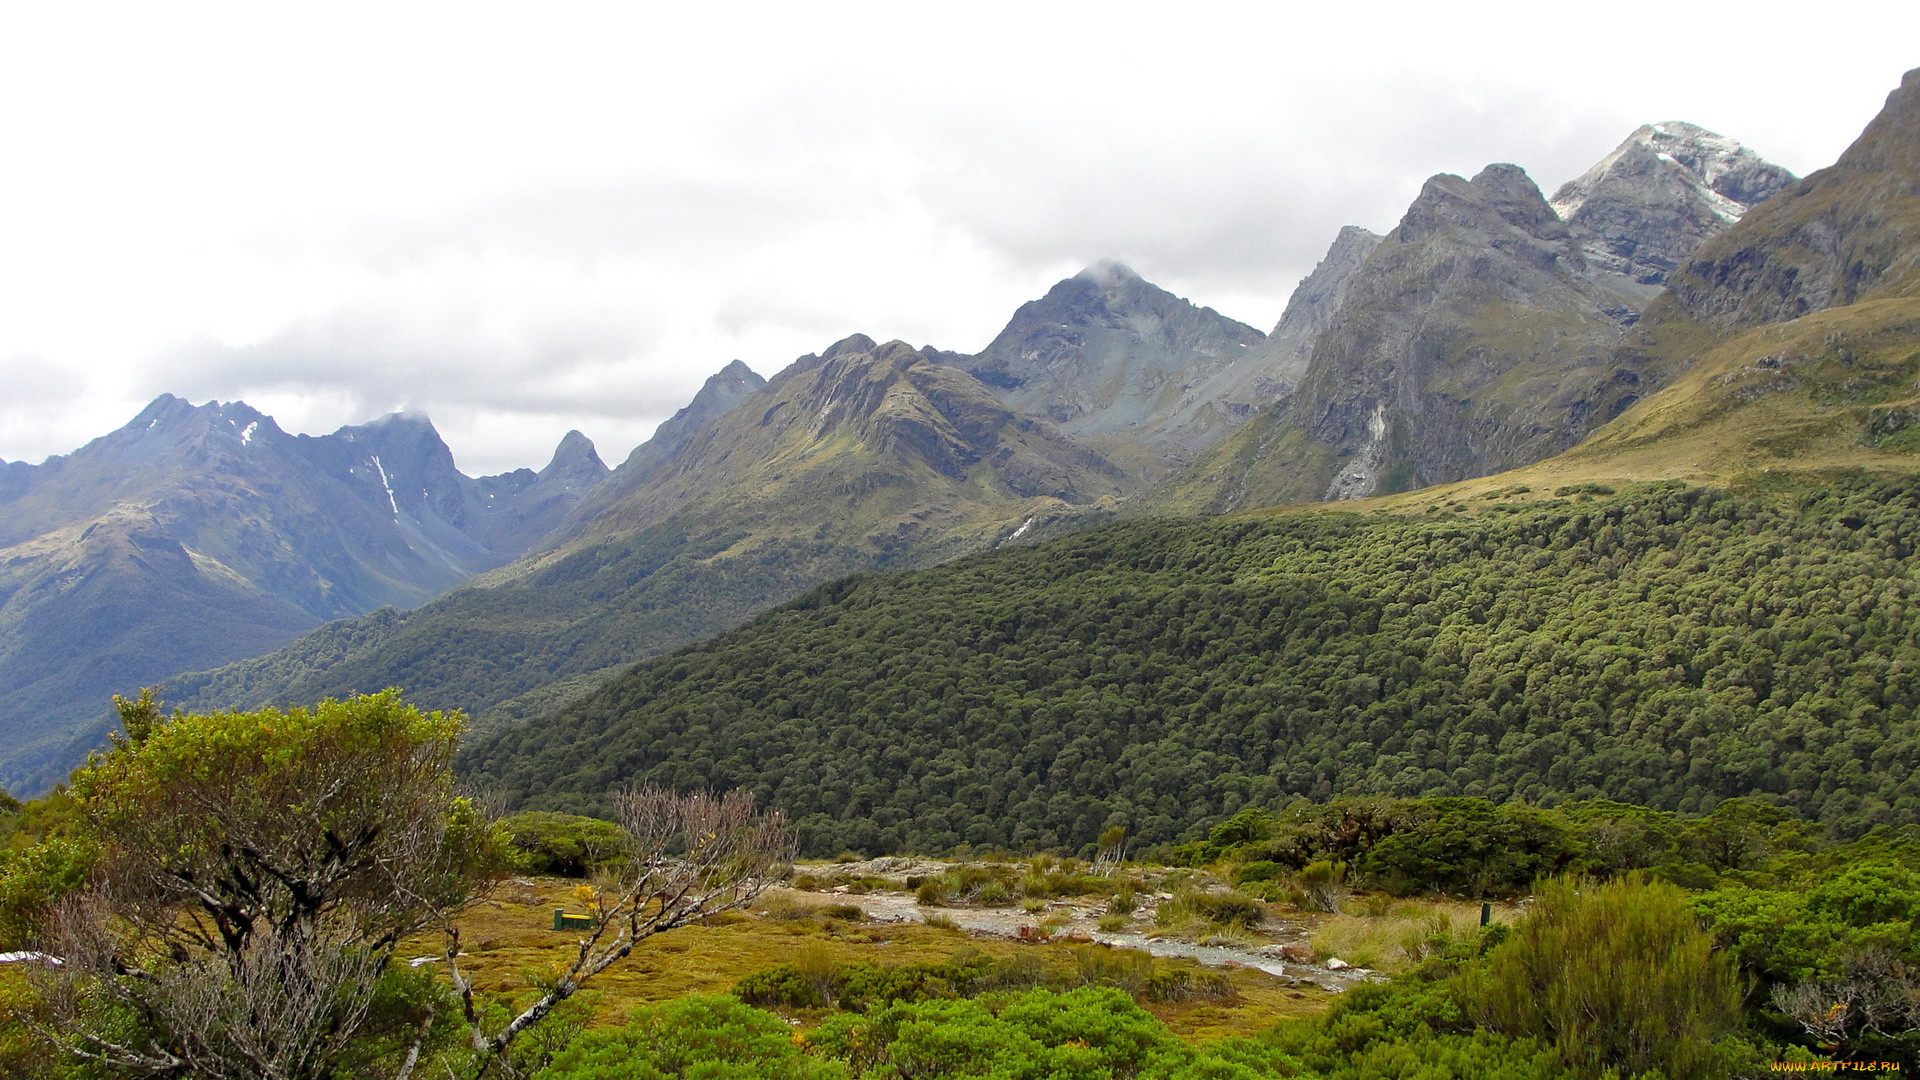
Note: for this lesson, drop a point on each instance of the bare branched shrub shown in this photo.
(1877, 993)
(280, 1007)
(689, 857)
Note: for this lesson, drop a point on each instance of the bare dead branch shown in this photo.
(688, 857)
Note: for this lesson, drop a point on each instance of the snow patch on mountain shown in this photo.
(1667, 189)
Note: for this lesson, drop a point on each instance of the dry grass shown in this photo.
(1394, 941)
(510, 935)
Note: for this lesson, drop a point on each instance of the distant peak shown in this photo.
(854, 343)
(1730, 177)
(737, 370)
(574, 454)
(1888, 142)
(1505, 179)
(160, 410)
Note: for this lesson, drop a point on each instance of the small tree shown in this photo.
(257, 872)
(1619, 975)
(688, 857)
(1111, 851)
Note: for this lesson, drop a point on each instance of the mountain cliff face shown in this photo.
(1848, 233)
(1269, 370)
(1472, 338)
(1485, 331)
(197, 535)
(1791, 336)
(1115, 361)
(1645, 208)
(862, 457)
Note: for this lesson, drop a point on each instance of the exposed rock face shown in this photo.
(1484, 332)
(1645, 208)
(1113, 359)
(196, 535)
(1847, 233)
(1471, 340)
(1270, 370)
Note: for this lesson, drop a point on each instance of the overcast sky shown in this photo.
(526, 218)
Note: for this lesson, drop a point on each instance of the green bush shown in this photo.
(1322, 885)
(33, 879)
(1837, 962)
(1262, 870)
(1472, 847)
(1086, 1034)
(1617, 975)
(819, 982)
(545, 842)
(713, 1038)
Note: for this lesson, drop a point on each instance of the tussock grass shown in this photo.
(1397, 939)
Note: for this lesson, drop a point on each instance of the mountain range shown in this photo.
(197, 535)
(1493, 328)
(1598, 624)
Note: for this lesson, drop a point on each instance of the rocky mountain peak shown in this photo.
(1315, 300)
(1267, 372)
(1735, 176)
(1500, 201)
(575, 463)
(851, 344)
(717, 396)
(161, 410)
(1891, 142)
(1847, 233)
(1111, 357)
(1468, 340)
(1516, 198)
(1670, 187)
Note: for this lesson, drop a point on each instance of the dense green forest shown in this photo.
(1669, 646)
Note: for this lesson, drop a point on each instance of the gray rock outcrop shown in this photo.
(1646, 207)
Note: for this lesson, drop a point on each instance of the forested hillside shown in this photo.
(1670, 646)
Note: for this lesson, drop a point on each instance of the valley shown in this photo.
(1143, 696)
